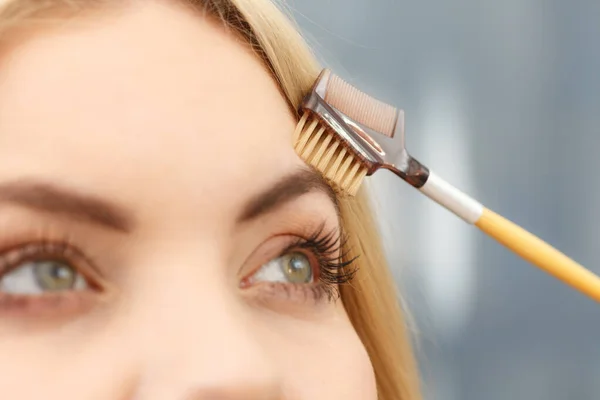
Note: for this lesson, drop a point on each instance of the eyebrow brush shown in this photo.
(347, 135)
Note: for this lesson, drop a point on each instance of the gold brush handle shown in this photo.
(538, 252)
(517, 239)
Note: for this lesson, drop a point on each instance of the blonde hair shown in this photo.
(371, 300)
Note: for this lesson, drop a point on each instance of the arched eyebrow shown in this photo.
(54, 199)
(286, 190)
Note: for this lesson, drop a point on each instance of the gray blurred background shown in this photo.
(502, 98)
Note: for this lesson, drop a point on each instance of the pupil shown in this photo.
(296, 264)
(59, 272)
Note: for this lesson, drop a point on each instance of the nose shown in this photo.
(198, 341)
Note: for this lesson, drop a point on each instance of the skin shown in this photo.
(171, 120)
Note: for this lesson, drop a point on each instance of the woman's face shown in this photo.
(159, 238)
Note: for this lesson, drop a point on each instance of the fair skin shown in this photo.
(143, 143)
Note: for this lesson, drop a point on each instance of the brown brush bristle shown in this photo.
(361, 107)
(325, 151)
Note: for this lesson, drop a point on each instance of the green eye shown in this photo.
(296, 268)
(42, 276)
(54, 276)
(293, 267)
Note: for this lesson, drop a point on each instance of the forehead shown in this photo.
(153, 93)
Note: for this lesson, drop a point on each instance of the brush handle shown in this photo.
(536, 251)
(517, 239)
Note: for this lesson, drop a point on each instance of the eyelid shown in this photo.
(270, 249)
(279, 244)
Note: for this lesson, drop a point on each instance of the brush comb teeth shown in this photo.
(324, 151)
(364, 109)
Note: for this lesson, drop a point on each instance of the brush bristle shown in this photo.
(325, 151)
(361, 107)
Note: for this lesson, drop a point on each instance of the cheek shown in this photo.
(326, 362)
(73, 366)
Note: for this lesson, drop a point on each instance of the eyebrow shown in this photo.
(50, 198)
(287, 189)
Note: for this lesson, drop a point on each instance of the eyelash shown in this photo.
(60, 250)
(332, 270)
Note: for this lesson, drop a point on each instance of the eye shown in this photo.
(293, 267)
(42, 276)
